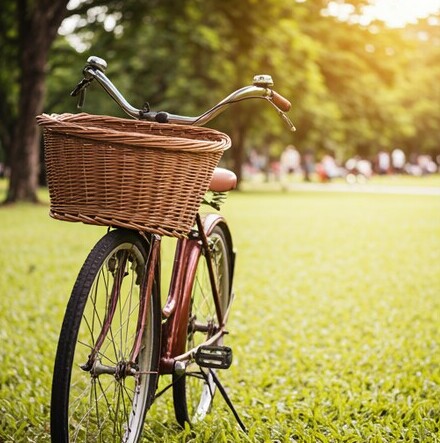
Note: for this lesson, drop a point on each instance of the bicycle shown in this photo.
(116, 338)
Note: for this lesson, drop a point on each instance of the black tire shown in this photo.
(193, 392)
(106, 399)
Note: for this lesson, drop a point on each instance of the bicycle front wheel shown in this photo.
(194, 391)
(98, 394)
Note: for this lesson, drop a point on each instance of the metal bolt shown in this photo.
(179, 367)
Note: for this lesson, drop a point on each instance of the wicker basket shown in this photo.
(118, 172)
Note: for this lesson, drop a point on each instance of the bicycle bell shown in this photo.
(263, 81)
(97, 62)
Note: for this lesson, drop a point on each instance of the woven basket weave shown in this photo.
(118, 172)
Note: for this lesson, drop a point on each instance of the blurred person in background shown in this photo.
(290, 163)
(398, 161)
(383, 163)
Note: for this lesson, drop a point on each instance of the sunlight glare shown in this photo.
(398, 13)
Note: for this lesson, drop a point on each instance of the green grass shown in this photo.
(334, 327)
(394, 182)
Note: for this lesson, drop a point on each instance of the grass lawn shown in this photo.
(392, 182)
(335, 326)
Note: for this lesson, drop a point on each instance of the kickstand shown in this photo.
(227, 399)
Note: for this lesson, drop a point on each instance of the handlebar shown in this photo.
(261, 88)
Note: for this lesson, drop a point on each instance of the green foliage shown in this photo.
(351, 85)
(334, 325)
(355, 89)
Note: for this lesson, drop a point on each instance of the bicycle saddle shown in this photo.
(223, 180)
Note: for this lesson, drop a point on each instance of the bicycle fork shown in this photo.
(126, 367)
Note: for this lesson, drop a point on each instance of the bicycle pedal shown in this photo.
(215, 357)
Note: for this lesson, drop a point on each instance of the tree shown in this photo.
(185, 57)
(350, 84)
(30, 29)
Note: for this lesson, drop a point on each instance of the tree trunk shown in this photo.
(25, 153)
(238, 137)
(38, 23)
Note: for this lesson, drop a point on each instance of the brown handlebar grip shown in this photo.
(281, 102)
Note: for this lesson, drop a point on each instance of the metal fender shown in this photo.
(209, 221)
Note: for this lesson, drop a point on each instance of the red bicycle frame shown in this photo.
(176, 308)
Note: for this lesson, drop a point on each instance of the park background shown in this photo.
(335, 324)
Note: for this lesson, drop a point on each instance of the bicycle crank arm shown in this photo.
(189, 355)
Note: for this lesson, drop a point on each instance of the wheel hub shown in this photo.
(120, 371)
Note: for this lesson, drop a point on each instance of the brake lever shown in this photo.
(81, 98)
(80, 91)
(283, 116)
(287, 121)
(80, 86)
